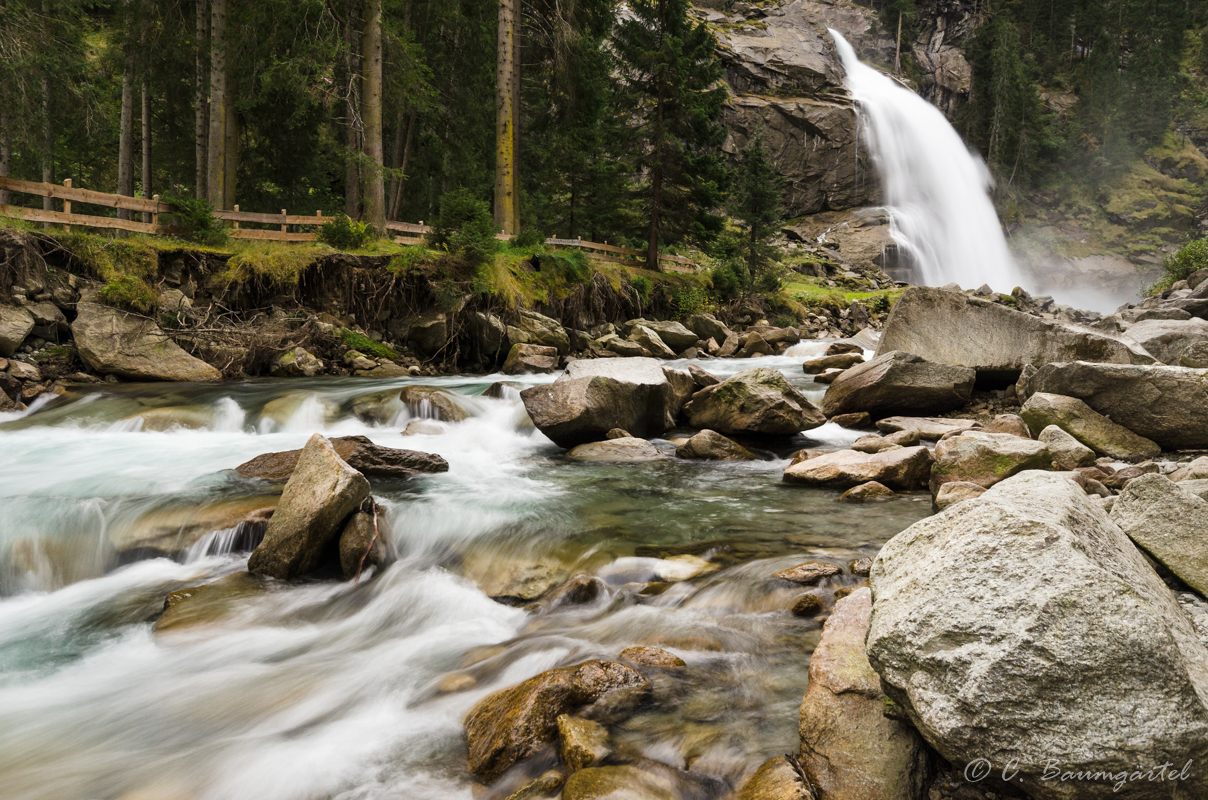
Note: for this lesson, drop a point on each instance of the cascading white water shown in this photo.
(936, 191)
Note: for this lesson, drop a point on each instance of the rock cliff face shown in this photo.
(785, 79)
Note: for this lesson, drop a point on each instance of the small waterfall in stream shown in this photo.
(936, 191)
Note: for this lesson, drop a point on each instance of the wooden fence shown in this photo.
(404, 232)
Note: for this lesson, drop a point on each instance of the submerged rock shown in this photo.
(867, 491)
(174, 529)
(513, 723)
(755, 401)
(1168, 523)
(113, 342)
(849, 749)
(619, 783)
(431, 402)
(904, 470)
(712, 446)
(1024, 628)
(209, 602)
(371, 460)
(646, 656)
(621, 450)
(320, 494)
(810, 573)
(898, 382)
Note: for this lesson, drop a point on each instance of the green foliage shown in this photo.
(344, 233)
(362, 343)
(408, 261)
(1179, 266)
(129, 292)
(465, 227)
(568, 266)
(689, 300)
(527, 239)
(730, 280)
(279, 263)
(196, 216)
(642, 285)
(757, 204)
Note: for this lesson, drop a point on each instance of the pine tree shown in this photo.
(757, 203)
(667, 67)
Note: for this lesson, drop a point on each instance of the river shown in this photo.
(326, 689)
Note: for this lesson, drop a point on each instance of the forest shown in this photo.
(573, 118)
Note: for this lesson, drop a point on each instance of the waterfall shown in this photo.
(936, 191)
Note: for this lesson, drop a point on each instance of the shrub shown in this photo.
(196, 216)
(642, 286)
(730, 280)
(527, 238)
(464, 227)
(344, 233)
(1179, 266)
(689, 300)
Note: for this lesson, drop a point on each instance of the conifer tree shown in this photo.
(756, 203)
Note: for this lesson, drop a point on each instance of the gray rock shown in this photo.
(712, 446)
(359, 452)
(1193, 470)
(899, 383)
(816, 366)
(1024, 628)
(297, 363)
(903, 470)
(621, 450)
(650, 341)
(1156, 402)
(432, 402)
(701, 377)
(1066, 451)
(866, 492)
(926, 427)
(15, 325)
(487, 333)
(534, 328)
(1087, 426)
(777, 778)
(673, 334)
(320, 494)
(113, 342)
(954, 492)
(362, 545)
(429, 333)
(754, 401)
(953, 328)
(530, 358)
(1008, 423)
(626, 349)
(1169, 523)
(1166, 340)
(985, 458)
(706, 327)
(849, 749)
(596, 395)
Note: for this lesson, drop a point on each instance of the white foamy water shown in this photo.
(936, 190)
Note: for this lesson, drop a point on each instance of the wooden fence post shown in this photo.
(67, 203)
(235, 222)
(284, 227)
(155, 214)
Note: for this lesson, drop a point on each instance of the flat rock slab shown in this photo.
(371, 460)
(810, 573)
(927, 427)
(622, 450)
(903, 470)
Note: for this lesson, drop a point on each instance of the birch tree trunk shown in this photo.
(375, 185)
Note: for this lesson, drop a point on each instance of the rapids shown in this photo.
(328, 689)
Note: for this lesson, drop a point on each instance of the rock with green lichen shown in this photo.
(986, 458)
(755, 401)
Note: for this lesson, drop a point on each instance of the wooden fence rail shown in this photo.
(154, 207)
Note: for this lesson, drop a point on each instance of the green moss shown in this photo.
(362, 343)
(813, 293)
(282, 265)
(129, 292)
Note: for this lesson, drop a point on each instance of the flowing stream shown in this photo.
(329, 689)
(936, 190)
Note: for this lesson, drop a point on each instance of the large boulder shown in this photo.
(986, 458)
(1159, 403)
(1167, 339)
(623, 449)
(15, 324)
(594, 396)
(952, 328)
(712, 446)
(371, 460)
(650, 341)
(707, 326)
(899, 383)
(673, 334)
(430, 333)
(320, 495)
(904, 470)
(513, 723)
(1169, 523)
(850, 750)
(432, 402)
(1088, 426)
(755, 401)
(113, 342)
(534, 328)
(1023, 627)
(1066, 451)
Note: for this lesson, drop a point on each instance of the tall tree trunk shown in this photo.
(216, 149)
(396, 159)
(656, 184)
(375, 184)
(201, 123)
(516, 64)
(146, 120)
(6, 154)
(125, 148)
(401, 182)
(352, 110)
(230, 151)
(48, 135)
(505, 119)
